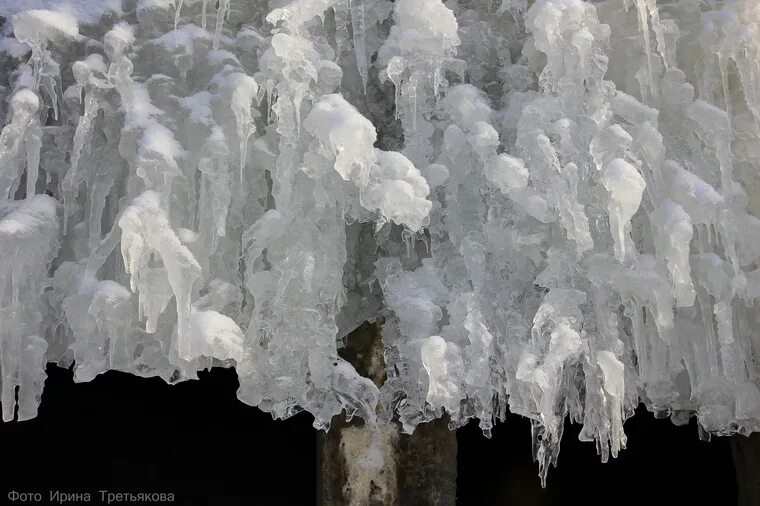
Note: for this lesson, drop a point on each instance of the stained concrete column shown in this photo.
(357, 465)
(746, 452)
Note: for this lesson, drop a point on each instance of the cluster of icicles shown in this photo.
(548, 206)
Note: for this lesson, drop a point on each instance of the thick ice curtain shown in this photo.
(551, 205)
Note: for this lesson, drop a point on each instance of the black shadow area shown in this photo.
(122, 433)
(663, 464)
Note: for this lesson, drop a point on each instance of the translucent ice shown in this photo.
(550, 207)
(626, 187)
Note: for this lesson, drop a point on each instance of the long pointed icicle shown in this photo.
(358, 26)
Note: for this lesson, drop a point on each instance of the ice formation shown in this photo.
(549, 205)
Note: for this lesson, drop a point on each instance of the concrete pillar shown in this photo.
(360, 466)
(746, 452)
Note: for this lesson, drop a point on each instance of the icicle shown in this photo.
(358, 27)
(673, 237)
(23, 128)
(243, 92)
(394, 70)
(82, 134)
(342, 41)
(98, 190)
(178, 12)
(33, 144)
(39, 28)
(724, 320)
(221, 14)
(411, 88)
(641, 8)
(270, 95)
(626, 187)
(145, 230)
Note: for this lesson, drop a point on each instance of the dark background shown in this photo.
(195, 439)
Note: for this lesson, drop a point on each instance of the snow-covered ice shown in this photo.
(552, 208)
